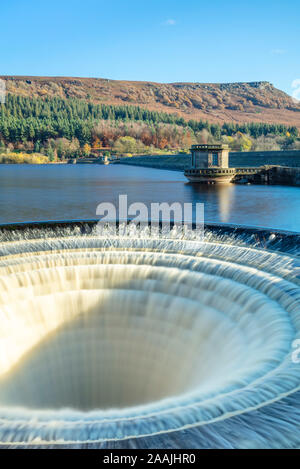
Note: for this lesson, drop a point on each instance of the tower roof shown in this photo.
(210, 147)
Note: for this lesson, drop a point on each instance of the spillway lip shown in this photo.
(237, 228)
(256, 236)
(187, 410)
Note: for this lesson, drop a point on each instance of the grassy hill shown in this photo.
(215, 102)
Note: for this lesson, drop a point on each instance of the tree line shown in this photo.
(38, 122)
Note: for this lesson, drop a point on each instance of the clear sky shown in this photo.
(154, 40)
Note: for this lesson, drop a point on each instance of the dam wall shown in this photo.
(172, 162)
(290, 158)
(273, 175)
(236, 160)
(283, 175)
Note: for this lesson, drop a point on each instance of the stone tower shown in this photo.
(209, 164)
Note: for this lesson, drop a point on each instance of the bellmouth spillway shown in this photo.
(140, 341)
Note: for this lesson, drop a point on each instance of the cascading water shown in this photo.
(142, 341)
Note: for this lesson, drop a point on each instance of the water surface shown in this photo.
(57, 192)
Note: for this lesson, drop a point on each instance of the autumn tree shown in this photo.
(86, 149)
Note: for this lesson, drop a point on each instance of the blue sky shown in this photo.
(163, 41)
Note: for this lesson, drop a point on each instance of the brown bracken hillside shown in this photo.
(216, 102)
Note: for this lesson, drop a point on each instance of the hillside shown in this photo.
(219, 103)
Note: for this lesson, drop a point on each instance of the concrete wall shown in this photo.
(172, 162)
(289, 176)
(260, 158)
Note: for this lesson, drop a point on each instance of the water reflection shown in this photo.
(223, 194)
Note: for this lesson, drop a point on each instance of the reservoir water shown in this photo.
(57, 192)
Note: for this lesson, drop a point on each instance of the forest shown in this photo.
(65, 128)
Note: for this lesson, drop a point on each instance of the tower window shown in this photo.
(215, 159)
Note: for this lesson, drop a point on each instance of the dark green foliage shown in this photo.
(39, 119)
